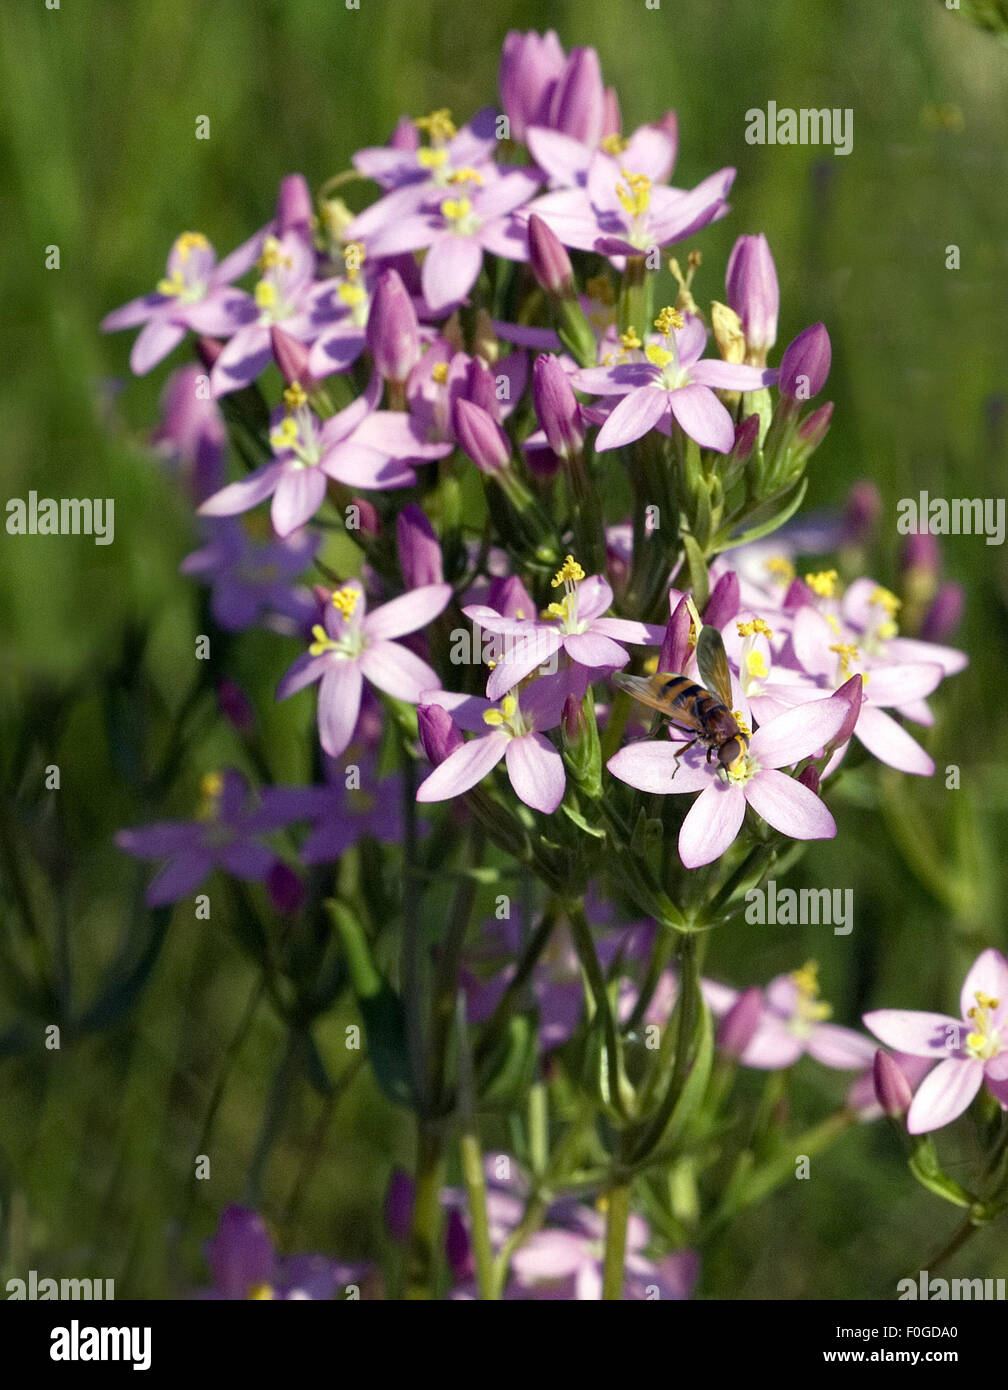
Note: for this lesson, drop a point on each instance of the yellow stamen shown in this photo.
(454, 209)
(466, 176)
(273, 255)
(211, 785)
(438, 125)
(569, 572)
(354, 256)
(824, 583)
(614, 144)
(323, 642)
(265, 294)
(345, 600)
(740, 721)
(636, 196)
(810, 1009)
(295, 396)
(190, 241)
(440, 372)
(750, 629)
(174, 286)
(630, 340)
(756, 666)
(780, 568)
(650, 666)
(658, 356)
(352, 294)
(668, 320)
(431, 159)
(260, 1291)
(847, 653)
(285, 436)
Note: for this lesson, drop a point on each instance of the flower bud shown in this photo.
(399, 1205)
(805, 364)
(746, 435)
(419, 551)
(920, 553)
(193, 431)
(578, 105)
(540, 459)
(438, 733)
(751, 285)
(738, 1027)
(945, 614)
(582, 750)
(892, 1089)
(480, 387)
(291, 356)
(809, 778)
(675, 647)
(481, 437)
(405, 136)
(370, 522)
(723, 604)
(529, 68)
(861, 514)
(549, 260)
(557, 407)
(393, 333)
(458, 1247)
(285, 889)
(294, 209)
(209, 350)
(235, 706)
(813, 429)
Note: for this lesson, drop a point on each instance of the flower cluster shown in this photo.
(497, 464)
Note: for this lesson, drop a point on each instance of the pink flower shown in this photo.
(792, 1022)
(351, 644)
(972, 1050)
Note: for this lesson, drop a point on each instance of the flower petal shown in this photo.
(919, 1033)
(788, 806)
(711, 824)
(464, 768)
(798, 733)
(449, 270)
(397, 671)
(536, 771)
(703, 417)
(987, 975)
(840, 1048)
(944, 1094)
(408, 612)
(649, 766)
(339, 700)
(891, 743)
(636, 413)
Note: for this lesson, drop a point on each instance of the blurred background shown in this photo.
(167, 1050)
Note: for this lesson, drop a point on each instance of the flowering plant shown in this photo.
(508, 482)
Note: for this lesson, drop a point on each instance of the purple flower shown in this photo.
(650, 152)
(192, 430)
(515, 733)
(792, 1022)
(355, 801)
(530, 67)
(226, 835)
(864, 1093)
(194, 295)
(351, 644)
(253, 577)
(557, 407)
(751, 284)
(970, 1051)
(476, 215)
(419, 171)
(669, 381)
(715, 818)
(624, 212)
(806, 363)
(393, 333)
(244, 1265)
(308, 453)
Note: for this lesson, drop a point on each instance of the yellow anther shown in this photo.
(174, 285)
(985, 1001)
(614, 144)
(509, 704)
(636, 195)
(556, 610)
(650, 666)
(438, 125)
(454, 209)
(295, 396)
(345, 600)
(630, 340)
(756, 625)
(807, 978)
(260, 1291)
(466, 176)
(600, 288)
(570, 572)
(431, 159)
(886, 599)
(211, 785)
(740, 720)
(520, 614)
(285, 436)
(975, 1041)
(493, 717)
(756, 666)
(352, 294)
(780, 568)
(273, 255)
(847, 653)
(190, 241)
(824, 583)
(440, 372)
(658, 356)
(265, 294)
(694, 260)
(323, 642)
(668, 320)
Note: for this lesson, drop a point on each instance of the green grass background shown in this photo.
(98, 156)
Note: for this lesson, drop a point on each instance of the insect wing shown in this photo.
(653, 691)
(712, 662)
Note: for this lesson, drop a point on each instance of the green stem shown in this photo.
(617, 1218)
(425, 1229)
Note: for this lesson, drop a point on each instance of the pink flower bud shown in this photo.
(419, 551)
(813, 429)
(739, 1024)
(612, 117)
(945, 613)
(809, 778)
(557, 407)
(864, 505)
(393, 333)
(549, 260)
(458, 1247)
(751, 284)
(806, 363)
(294, 207)
(573, 719)
(892, 1089)
(285, 889)
(481, 437)
(723, 604)
(438, 733)
(291, 356)
(235, 706)
(578, 106)
(209, 350)
(922, 553)
(529, 68)
(480, 387)
(405, 136)
(370, 522)
(746, 435)
(675, 646)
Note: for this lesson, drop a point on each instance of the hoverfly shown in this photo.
(708, 716)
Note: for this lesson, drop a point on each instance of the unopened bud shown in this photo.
(294, 209)
(738, 1027)
(892, 1090)
(557, 407)
(549, 260)
(481, 437)
(438, 733)
(419, 551)
(806, 363)
(393, 333)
